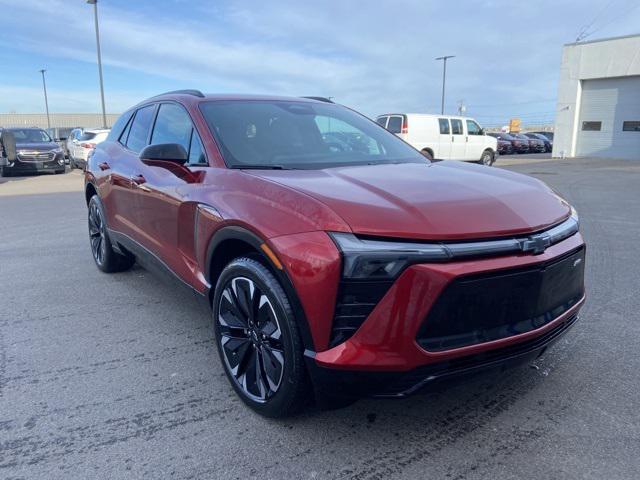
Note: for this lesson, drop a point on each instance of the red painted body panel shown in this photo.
(438, 201)
(175, 212)
(313, 264)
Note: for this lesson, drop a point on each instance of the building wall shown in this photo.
(616, 57)
(87, 120)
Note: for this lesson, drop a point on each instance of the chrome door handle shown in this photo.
(104, 166)
(138, 181)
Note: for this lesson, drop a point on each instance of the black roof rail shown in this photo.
(194, 92)
(320, 99)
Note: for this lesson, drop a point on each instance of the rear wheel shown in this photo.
(106, 258)
(258, 339)
(487, 158)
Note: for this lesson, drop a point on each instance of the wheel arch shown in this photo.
(234, 241)
(89, 191)
(428, 150)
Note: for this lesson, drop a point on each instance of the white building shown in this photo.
(598, 111)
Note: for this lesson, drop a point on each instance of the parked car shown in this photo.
(443, 137)
(60, 136)
(84, 144)
(535, 145)
(36, 152)
(547, 144)
(328, 266)
(72, 139)
(505, 142)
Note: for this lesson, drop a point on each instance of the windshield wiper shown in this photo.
(260, 167)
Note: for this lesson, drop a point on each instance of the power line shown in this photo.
(582, 34)
(513, 103)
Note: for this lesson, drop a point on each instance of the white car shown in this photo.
(443, 137)
(81, 146)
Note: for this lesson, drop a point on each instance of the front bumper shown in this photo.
(386, 341)
(35, 167)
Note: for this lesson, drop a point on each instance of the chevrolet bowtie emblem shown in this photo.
(536, 245)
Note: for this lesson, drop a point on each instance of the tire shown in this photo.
(58, 172)
(3, 173)
(427, 154)
(260, 347)
(487, 158)
(106, 258)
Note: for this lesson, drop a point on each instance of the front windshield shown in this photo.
(301, 135)
(30, 135)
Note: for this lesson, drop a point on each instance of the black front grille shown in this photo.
(481, 308)
(356, 300)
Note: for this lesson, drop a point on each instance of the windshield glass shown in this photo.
(30, 135)
(300, 135)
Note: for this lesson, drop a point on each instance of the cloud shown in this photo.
(376, 56)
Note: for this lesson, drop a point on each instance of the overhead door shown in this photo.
(609, 121)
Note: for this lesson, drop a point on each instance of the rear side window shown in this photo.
(444, 126)
(591, 126)
(119, 126)
(139, 132)
(173, 125)
(382, 121)
(456, 126)
(631, 126)
(395, 124)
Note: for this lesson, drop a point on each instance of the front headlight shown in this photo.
(574, 215)
(375, 259)
(57, 150)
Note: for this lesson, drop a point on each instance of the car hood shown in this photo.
(438, 201)
(39, 146)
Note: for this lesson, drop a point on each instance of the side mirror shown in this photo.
(164, 152)
(8, 141)
(482, 132)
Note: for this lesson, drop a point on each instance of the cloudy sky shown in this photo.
(376, 56)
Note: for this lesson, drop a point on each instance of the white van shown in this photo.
(443, 137)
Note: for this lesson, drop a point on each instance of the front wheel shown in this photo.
(258, 339)
(487, 158)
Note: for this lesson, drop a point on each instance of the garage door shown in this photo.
(609, 124)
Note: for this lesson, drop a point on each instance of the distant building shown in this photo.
(87, 120)
(598, 112)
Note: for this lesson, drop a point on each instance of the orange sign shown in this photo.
(514, 125)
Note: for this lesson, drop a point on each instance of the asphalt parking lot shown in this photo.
(116, 376)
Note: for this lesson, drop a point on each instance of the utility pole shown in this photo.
(444, 78)
(95, 18)
(46, 101)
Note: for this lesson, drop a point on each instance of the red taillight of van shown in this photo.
(405, 125)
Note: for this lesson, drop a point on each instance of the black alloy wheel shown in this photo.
(258, 339)
(106, 258)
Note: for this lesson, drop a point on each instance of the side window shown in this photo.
(395, 124)
(456, 126)
(382, 121)
(119, 126)
(139, 130)
(196, 152)
(473, 128)
(173, 125)
(444, 126)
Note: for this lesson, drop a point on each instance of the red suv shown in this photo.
(337, 260)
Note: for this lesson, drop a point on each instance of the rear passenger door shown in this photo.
(444, 139)
(458, 144)
(124, 162)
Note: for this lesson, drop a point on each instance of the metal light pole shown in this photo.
(444, 78)
(95, 17)
(46, 101)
